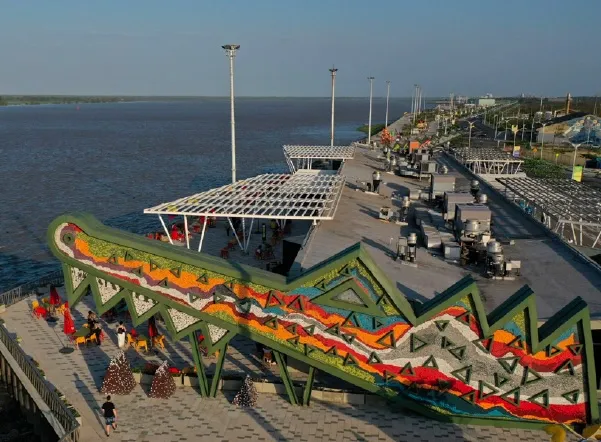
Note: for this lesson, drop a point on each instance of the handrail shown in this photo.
(14, 295)
(50, 398)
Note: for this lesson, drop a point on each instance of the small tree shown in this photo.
(385, 137)
(163, 385)
(247, 396)
(119, 378)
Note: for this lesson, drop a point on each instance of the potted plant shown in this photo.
(137, 372)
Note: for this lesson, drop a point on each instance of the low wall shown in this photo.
(323, 394)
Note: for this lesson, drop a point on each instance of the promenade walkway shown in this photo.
(187, 416)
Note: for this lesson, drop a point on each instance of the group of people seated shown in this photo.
(94, 327)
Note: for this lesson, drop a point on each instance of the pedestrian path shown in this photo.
(187, 416)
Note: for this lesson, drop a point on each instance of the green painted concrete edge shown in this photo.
(575, 313)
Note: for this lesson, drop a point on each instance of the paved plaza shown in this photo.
(187, 416)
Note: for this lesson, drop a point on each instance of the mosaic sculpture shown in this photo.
(447, 360)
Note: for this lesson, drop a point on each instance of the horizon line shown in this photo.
(252, 96)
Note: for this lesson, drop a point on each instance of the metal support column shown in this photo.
(309, 386)
(186, 232)
(286, 377)
(166, 230)
(203, 383)
(217, 372)
(202, 235)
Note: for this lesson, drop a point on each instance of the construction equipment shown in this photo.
(474, 188)
(404, 210)
(439, 184)
(497, 266)
(385, 213)
(407, 248)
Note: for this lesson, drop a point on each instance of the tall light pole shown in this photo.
(575, 146)
(333, 72)
(531, 130)
(542, 144)
(387, 98)
(371, 89)
(469, 143)
(414, 103)
(230, 51)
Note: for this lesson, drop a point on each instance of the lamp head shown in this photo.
(231, 47)
(333, 70)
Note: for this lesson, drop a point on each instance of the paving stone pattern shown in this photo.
(187, 416)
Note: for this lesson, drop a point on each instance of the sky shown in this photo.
(159, 47)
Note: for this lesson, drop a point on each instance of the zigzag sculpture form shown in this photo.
(447, 360)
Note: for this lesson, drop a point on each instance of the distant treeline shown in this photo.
(8, 100)
(590, 105)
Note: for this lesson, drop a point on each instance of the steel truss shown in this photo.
(488, 161)
(560, 203)
(302, 157)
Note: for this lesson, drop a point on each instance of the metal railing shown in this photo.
(50, 398)
(58, 408)
(25, 290)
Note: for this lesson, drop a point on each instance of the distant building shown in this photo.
(582, 129)
(485, 102)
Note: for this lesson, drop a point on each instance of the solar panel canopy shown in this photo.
(320, 152)
(308, 194)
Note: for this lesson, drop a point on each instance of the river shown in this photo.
(116, 159)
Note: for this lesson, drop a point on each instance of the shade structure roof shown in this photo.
(306, 195)
(563, 198)
(320, 152)
(485, 154)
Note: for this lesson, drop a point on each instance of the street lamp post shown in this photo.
(531, 130)
(469, 142)
(333, 72)
(230, 51)
(575, 146)
(523, 128)
(542, 143)
(414, 104)
(371, 88)
(387, 98)
(496, 120)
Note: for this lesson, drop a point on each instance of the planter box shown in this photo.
(137, 377)
(354, 398)
(179, 381)
(146, 379)
(232, 384)
(78, 419)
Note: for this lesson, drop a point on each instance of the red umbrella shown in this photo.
(54, 298)
(69, 326)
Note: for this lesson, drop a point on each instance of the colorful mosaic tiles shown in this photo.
(450, 361)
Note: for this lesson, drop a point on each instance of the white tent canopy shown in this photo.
(301, 157)
(309, 195)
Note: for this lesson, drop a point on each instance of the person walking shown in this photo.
(121, 330)
(110, 415)
(152, 330)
